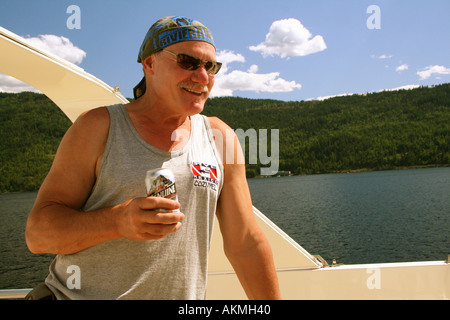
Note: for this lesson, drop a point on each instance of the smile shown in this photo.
(197, 89)
(194, 91)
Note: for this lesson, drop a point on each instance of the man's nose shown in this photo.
(201, 75)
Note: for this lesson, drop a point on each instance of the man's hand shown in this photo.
(141, 219)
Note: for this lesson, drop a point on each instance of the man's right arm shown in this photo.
(56, 225)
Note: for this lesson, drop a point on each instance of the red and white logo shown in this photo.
(205, 175)
(204, 171)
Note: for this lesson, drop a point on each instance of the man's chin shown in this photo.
(196, 105)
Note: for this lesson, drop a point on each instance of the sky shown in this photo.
(289, 50)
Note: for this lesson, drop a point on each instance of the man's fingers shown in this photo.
(152, 203)
(157, 217)
(161, 230)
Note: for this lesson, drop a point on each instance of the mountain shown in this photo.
(31, 127)
(374, 131)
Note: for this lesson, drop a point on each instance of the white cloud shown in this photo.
(403, 67)
(407, 87)
(250, 80)
(430, 70)
(253, 68)
(321, 98)
(381, 57)
(12, 85)
(58, 45)
(289, 37)
(227, 57)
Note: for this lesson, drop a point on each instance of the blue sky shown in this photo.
(284, 49)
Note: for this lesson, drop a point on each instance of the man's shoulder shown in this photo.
(91, 125)
(95, 119)
(96, 114)
(217, 123)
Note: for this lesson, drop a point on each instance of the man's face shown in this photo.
(182, 91)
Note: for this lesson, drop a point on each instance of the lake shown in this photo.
(367, 217)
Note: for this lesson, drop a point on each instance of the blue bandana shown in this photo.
(171, 30)
(168, 31)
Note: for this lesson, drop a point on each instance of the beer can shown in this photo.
(160, 182)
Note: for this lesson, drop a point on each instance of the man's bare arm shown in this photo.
(245, 245)
(56, 224)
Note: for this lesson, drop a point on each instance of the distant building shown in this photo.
(282, 174)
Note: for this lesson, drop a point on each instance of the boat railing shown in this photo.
(14, 293)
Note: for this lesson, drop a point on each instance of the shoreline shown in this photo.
(357, 171)
(315, 173)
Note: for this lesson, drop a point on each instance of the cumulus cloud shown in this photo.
(430, 70)
(250, 80)
(288, 37)
(58, 45)
(403, 67)
(227, 57)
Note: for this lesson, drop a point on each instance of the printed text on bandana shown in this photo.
(189, 33)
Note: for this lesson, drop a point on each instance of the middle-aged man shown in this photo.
(92, 209)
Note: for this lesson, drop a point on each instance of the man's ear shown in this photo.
(148, 64)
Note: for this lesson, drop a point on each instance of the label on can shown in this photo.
(161, 183)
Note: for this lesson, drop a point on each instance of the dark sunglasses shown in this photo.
(190, 63)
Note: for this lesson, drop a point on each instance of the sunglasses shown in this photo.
(190, 63)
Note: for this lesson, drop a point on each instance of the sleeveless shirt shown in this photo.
(174, 267)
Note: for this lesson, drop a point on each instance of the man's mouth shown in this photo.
(199, 90)
(193, 91)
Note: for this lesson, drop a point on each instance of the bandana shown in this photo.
(168, 31)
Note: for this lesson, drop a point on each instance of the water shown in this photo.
(367, 217)
(19, 268)
(370, 217)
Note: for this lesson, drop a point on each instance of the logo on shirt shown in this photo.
(205, 175)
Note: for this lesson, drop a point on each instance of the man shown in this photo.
(92, 211)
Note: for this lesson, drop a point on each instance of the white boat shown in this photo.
(301, 275)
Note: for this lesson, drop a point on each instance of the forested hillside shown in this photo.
(30, 131)
(375, 131)
(360, 132)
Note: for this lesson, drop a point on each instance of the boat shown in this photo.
(301, 275)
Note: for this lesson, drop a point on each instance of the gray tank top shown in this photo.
(174, 267)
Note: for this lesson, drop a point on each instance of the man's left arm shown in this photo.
(245, 245)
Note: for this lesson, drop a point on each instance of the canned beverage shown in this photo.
(160, 182)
